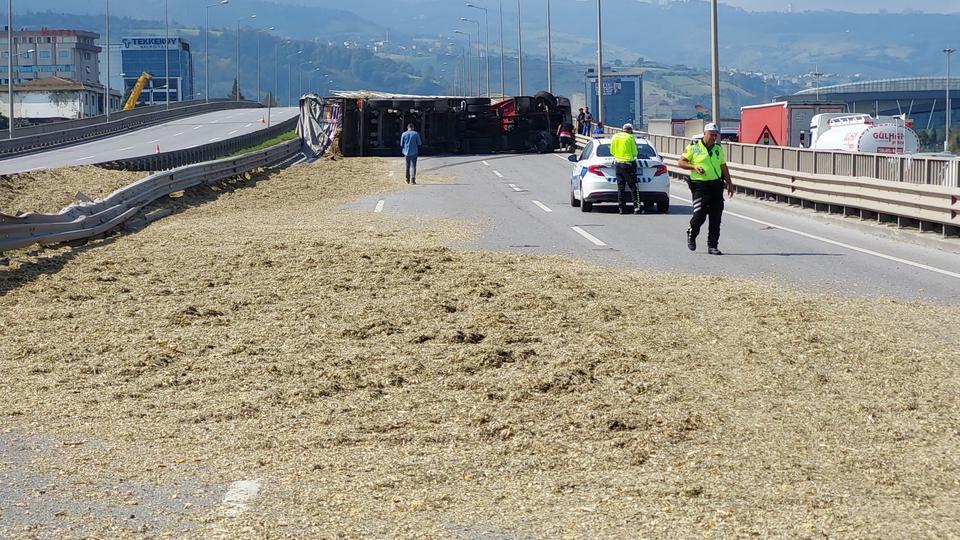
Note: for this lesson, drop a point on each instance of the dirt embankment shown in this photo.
(53, 189)
(381, 385)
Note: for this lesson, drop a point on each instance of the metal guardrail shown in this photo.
(36, 138)
(197, 154)
(927, 198)
(89, 219)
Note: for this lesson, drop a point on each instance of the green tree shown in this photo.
(235, 91)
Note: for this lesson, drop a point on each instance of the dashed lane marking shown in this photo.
(593, 239)
(178, 134)
(485, 163)
(248, 125)
(197, 127)
(498, 174)
(87, 157)
(232, 132)
(838, 244)
(125, 148)
(542, 206)
(215, 139)
(379, 207)
(514, 187)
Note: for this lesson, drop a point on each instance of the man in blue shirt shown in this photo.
(410, 142)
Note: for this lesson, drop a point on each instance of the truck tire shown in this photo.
(546, 99)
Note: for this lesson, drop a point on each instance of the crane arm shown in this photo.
(137, 90)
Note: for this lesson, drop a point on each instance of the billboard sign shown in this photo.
(149, 43)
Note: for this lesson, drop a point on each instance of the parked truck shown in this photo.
(863, 133)
(782, 123)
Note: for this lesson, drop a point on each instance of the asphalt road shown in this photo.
(522, 202)
(175, 135)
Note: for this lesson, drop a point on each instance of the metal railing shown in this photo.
(34, 138)
(921, 192)
(197, 154)
(90, 219)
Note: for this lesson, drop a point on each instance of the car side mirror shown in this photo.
(572, 158)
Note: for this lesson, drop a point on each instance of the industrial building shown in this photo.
(622, 96)
(145, 54)
(39, 54)
(922, 98)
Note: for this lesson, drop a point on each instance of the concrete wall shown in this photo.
(41, 105)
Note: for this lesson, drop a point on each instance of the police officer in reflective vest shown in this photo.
(708, 177)
(623, 148)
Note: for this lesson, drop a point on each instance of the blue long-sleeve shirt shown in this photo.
(410, 142)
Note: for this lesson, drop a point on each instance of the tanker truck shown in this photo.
(840, 132)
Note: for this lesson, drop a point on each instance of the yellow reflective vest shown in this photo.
(623, 147)
(708, 160)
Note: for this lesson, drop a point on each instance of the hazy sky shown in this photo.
(940, 6)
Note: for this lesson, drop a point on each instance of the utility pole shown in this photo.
(106, 87)
(502, 87)
(599, 64)
(549, 50)
(166, 49)
(519, 47)
(10, 65)
(946, 140)
(238, 52)
(206, 50)
(715, 57)
(486, 47)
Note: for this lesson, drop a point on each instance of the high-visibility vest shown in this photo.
(623, 148)
(710, 161)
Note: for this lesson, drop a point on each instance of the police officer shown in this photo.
(623, 148)
(708, 176)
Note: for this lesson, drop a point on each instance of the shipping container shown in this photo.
(782, 123)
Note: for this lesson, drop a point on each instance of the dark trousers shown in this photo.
(707, 202)
(627, 176)
(411, 168)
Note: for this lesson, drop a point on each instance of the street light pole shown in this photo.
(520, 47)
(549, 50)
(502, 87)
(206, 50)
(486, 46)
(715, 61)
(106, 87)
(166, 49)
(946, 140)
(479, 62)
(467, 58)
(259, 35)
(238, 52)
(599, 65)
(10, 65)
(817, 74)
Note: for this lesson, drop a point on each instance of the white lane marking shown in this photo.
(485, 163)
(83, 158)
(514, 187)
(238, 496)
(542, 206)
(198, 127)
(379, 207)
(593, 239)
(125, 148)
(836, 243)
(153, 141)
(215, 139)
(178, 134)
(498, 174)
(232, 132)
(248, 125)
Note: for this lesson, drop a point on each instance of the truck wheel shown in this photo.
(547, 99)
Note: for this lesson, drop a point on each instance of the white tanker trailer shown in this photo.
(862, 133)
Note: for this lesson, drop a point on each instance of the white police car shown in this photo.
(594, 178)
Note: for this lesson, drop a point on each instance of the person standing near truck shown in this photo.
(587, 121)
(410, 143)
(709, 175)
(581, 117)
(623, 148)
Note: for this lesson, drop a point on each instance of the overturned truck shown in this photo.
(372, 123)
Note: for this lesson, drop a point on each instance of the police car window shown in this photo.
(586, 151)
(644, 151)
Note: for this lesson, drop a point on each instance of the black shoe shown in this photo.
(414, 181)
(408, 180)
(691, 241)
(714, 251)
(623, 211)
(638, 210)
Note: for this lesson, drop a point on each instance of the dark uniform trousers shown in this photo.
(707, 202)
(626, 176)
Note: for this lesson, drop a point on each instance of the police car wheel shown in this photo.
(586, 206)
(574, 202)
(663, 207)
